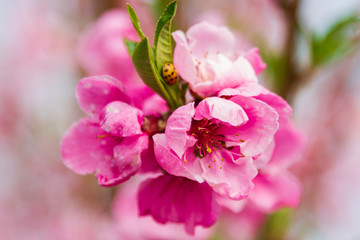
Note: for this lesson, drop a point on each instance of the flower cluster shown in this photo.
(227, 146)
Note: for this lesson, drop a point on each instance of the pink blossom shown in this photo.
(175, 199)
(275, 187)
(207, 59)
(111, 140)
(132, 226)
(216, 142)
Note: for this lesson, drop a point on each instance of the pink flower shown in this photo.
(132, 226)
(209, 62)
(275, 187)
(174, 199)
(216, 142)
(110, 141)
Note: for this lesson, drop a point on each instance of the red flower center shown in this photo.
(207, 135)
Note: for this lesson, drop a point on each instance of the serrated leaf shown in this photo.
(130, 45)
(135, 21)
(162, 39)
(144, 62)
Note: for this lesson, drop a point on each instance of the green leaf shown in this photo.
(135, 21)
(143, 60)
(276, 225)
(162, 39)
(130, 45)
(336, 43)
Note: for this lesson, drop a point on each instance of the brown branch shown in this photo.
(291, 76)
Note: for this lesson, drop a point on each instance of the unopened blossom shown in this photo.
(209, 60)
(110, 140)
(216, 141)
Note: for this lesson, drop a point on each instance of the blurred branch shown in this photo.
(289, 8)
(102, 6)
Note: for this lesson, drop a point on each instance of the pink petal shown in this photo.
(228, 179)
(177, 127)
(279, 104)
(274, 192)
(83, 149)
(175, 199)
(183, 60)
(132, 227)
(235, 206)
(219, 72)
(258, 132)
(261, 160)
(125, 163)
(208, 39)
(140, 95)
(255, 60)
(289, 145)
(247, 88)
(232, 74)
(154, 105)
(148, 159)
(121, 119)
(94, 93)
(221, 109)
(171, 163)
(244, 225)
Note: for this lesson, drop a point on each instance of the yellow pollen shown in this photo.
(185, 161)
(209, 166)
(240, 140)
(222, 159)
(209, 150)
(214, 160)
(235, 127)
(220, 168)
(236, 134)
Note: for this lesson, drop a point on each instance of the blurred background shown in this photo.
(311, 48)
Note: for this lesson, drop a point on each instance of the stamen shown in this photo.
(103, 136)
(238, 154)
